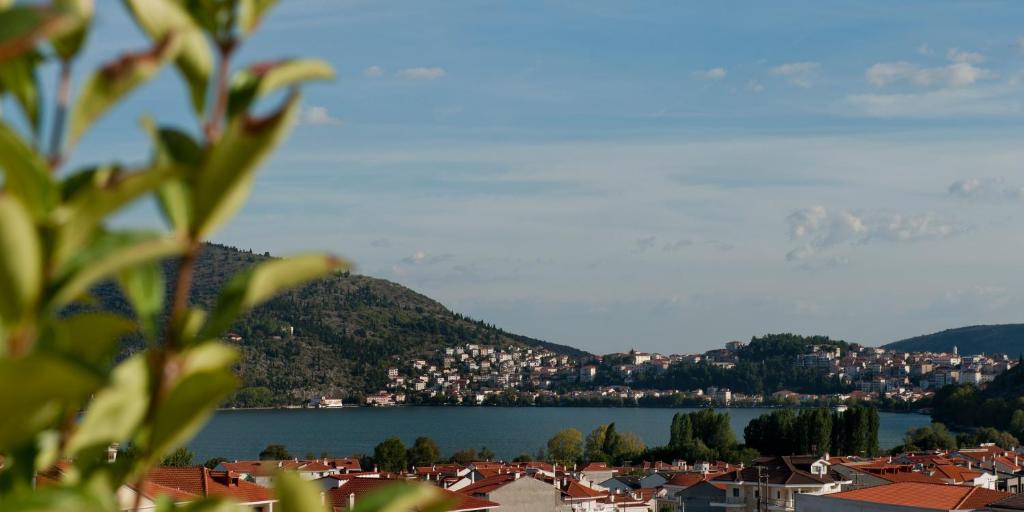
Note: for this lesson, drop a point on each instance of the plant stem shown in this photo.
(220, 102)
(60, 114)
(162, 357)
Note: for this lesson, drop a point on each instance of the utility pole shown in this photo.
(762, 489)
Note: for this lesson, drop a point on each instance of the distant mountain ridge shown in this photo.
(336, 336)
(970, 340)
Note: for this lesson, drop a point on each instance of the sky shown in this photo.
(665, 176)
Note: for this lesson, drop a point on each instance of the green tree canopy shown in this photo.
(275, 452)
(390, 455)
(566, 446)
(424, 452)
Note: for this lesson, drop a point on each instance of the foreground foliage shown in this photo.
(62, 396)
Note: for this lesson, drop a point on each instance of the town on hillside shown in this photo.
(827, 372)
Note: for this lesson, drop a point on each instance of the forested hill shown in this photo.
(348, 329)
(976, 339)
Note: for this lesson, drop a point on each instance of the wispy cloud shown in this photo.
(800, 74)
(991, 100)
(711, 74)
(373, 71)
(987, 189)
(962, 71)
(317, 116)
(819, 228)
(422, 73)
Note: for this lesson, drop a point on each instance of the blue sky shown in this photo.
(659, 175)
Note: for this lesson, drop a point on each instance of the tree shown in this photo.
(611, 442)
(630, 445)
(566, 446)
(464, 456)
(180, 458)
(932, 437)
(486, 454)
(275, 452)
(424, 452)
(593, 447)
(214, 462)
(390, 455)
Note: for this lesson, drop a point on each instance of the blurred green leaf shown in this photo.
(91, 338)
(105, 257)
(262, 282)
(143, 285)
(226, 177)
(18, 76)
(159, 18)
(21, 261)
(68, 45)
(206, 381)
(210, 504)
(175, 147)
(113, 81)
(93, 194)
(295, 494)
(22, 26)
(26, 174)
(45, 386)
(117, 410)
(259, 80)
(251, 12)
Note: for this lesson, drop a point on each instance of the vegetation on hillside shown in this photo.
(336, 336)
(975, 339)
(766, 365)
(1000, 405)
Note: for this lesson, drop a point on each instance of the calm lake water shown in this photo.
(508, 431)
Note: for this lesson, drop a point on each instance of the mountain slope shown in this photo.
(975, 339)
(336, 336)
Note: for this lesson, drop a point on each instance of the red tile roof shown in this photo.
(339, 496)
(201, 481)
(924, 495)
(578, 491)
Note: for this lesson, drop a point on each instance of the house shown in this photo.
(623, 483)
(902, 497)
(959, 475)
(597, 472)
(577, 497)
(516, 493)
(694, 498)
(653, 480)
(261, 472)
(348, 495)
(203, 482)
(782, 478)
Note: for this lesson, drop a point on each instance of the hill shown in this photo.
(976, 339)
(336, 336)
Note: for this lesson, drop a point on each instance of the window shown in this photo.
(735, 492)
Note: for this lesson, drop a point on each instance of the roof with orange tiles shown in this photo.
(578, 491)
(955, 473)
(269, 467)
(599, 466)
(688, 479)
(206, 482)
(339, 496)
(1015, 502)
(924, 495)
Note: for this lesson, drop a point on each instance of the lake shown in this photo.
(508, 431)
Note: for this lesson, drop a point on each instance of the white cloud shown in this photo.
(800, 74)
(711, 74)
(373, 71)
(986, 189)
(962, 71)
(317, 116)
(958, 55)
(820, 229)
(421, 73)
(957, 74)
(992, 100)
(755, 86)
(421, 257)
